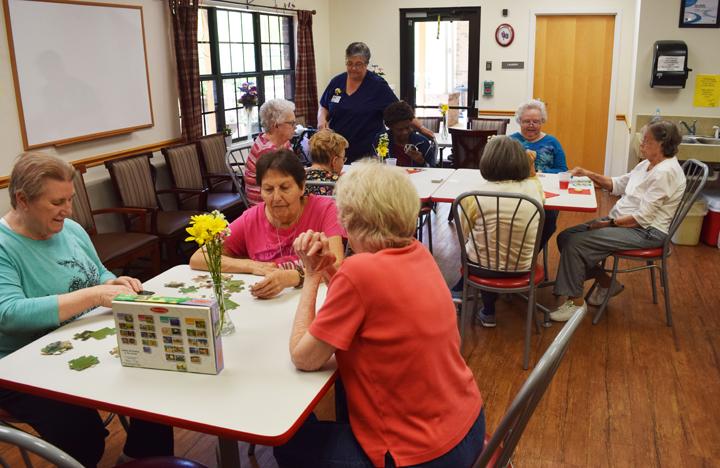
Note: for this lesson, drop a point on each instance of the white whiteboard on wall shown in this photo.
(80, 70)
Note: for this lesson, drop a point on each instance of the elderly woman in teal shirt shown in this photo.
(51, 274)
(549, 154)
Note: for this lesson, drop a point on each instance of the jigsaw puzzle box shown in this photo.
(168, 333)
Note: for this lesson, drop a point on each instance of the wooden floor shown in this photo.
(631, 391)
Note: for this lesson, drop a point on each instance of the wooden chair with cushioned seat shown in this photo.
(500, 446)
(212, 150)
(186, 172)
(431, 123)
(505, 262)
(468, 146)
(489, 124)
(116, 250)
(696, 174)
(134, 181)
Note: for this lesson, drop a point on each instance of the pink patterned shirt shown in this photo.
(261, 146)
(252, 236)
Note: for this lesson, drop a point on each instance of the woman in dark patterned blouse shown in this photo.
(327, 150)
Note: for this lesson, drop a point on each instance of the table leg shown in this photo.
(228, 453)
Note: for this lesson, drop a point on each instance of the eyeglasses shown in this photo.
(528, 122)
(355, 64)
(292, 123)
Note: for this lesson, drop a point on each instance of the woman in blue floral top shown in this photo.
(549, 154)
(327, 150)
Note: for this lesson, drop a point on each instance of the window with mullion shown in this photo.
(228, 44)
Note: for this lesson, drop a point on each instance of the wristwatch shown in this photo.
(612, 222)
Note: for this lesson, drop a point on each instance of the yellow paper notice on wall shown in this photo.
(707, 91)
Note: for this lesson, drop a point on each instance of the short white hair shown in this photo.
(531, 104)
(273, 110)
(378, 204)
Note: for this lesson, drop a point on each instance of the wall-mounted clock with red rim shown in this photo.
(504, 34)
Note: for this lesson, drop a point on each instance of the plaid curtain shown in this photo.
(306, 98)
(184, 14)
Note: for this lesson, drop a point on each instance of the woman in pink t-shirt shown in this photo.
(261, 239)
(277, 117)
(390, 321)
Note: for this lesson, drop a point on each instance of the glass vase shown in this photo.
(227, 327)
(444, 129)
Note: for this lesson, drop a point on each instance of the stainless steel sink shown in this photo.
(701, 140)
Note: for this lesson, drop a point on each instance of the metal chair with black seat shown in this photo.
(115, 249)
(696, 174)
(489, 124)
(57, 457)
(500, 446)
(506, 221)
(186, 172)
(468, 146)
(235, 160)
(134, 181)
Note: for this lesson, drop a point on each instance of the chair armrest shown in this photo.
(203, 193)
(140, 212)
(183, 190)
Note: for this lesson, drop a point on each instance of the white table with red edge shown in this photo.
(466, 180)
(258, 397)
(425, 179)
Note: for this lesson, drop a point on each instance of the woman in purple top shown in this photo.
(261, 239)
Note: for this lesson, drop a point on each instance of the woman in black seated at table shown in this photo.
(50, 274)
(410, 148)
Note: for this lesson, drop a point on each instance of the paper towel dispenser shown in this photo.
(669, 67)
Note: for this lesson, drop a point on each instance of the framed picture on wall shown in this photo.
(699, 14)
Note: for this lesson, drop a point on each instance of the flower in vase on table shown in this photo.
(382, 147)
(249, 96)
(443, 109)
(208, 231)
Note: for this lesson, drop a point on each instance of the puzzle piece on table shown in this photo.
(174, 284)
(230, 304)
(188, 290)
(57, 347)
(83, 362)
(102, 333)
(234, 286)
(201, 278)
(97, 334)
(114, 352)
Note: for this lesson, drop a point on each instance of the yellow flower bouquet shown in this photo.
(382, 147)
(444, 113)
(209, 230)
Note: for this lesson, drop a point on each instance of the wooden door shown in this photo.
(573, 68)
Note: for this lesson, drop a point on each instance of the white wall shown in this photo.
(163, 88)
(659, 21)
(380, 30)
(163, 83)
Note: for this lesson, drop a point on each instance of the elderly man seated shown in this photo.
(650, 193)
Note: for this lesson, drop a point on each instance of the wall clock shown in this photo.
(504, 34)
